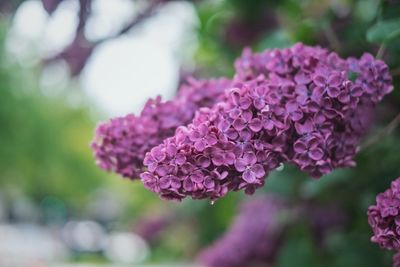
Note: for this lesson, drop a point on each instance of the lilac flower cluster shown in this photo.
(254, 236)
(120, 145)
(384, 218)
(298, 105)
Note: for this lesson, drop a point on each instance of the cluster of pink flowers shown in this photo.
(254, 236)
(299, 105)
(120, 144)
(384, 218)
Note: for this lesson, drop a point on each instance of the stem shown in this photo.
(148, 12)
(84, 12)
(395, 72)
(332, 38)
(384, 132)
(381, 51)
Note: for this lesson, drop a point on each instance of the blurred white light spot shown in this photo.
(24, 209)
(61, 26)
(22, 244)
(23, 38)
(122, 74)
(281, 167)
(33, 33)
(85, 236)
(126, 248)
(174, 24)
(30, 19)
(108, 17)
(54, 78)
(2, 208)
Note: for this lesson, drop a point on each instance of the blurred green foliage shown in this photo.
(44, 141)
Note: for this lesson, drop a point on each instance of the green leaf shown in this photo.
(384, 31)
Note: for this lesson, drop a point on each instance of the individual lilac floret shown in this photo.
(384, 218)
(253, 238)
(121, 144)
(295, 105)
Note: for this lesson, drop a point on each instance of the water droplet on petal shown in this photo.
(280, 167)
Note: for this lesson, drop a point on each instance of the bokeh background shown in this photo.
(65, 65)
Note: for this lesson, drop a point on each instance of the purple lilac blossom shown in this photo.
(383, 217)
(121, 143)
(294, 105)
(150, 228)
(324, 220)
(254, 237)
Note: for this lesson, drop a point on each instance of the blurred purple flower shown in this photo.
(254, 236)
(324, 220)
(150, 228)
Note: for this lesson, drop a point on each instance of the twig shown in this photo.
(381, 51)
(81, 47)
(148, 12)
(332, 38)
(395, 72)
(384, 132)
(84, 12)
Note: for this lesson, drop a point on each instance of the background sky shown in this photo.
(122, 73)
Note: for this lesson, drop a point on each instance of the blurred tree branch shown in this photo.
(78, 52)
